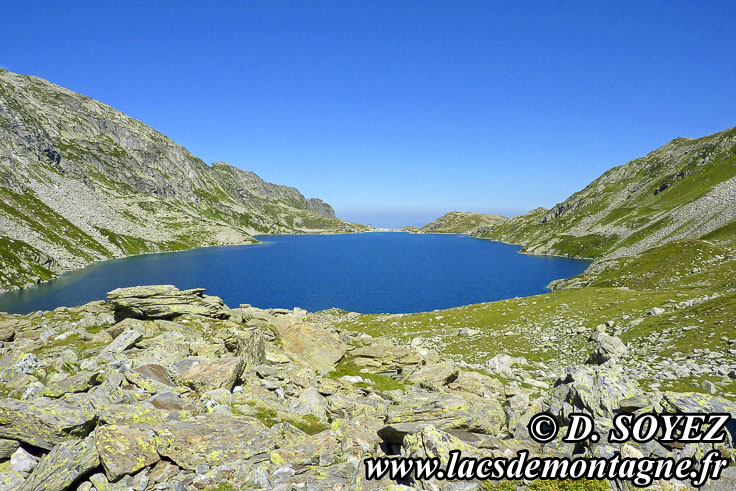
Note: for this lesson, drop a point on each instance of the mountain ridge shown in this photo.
(81, 181)
(685, 189)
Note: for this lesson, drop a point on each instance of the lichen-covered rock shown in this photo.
(606, 348)
(123, 341)
(213, 374)
(436, 374)
(311, 346)
(80, 382)
(596, 390)
(389, 359)
(477, 384)
(311, 402)
(250, 346)
(125, 449)
(7, 447)
(212, 439)
(164, 302)
(43, 423)
(61, 467)
(449, 412)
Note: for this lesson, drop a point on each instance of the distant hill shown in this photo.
(683, 190)
(461, 222)
(81, 181)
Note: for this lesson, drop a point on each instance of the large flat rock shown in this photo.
(125, 449)
(213, 439)
(310, 346)
(44, 423)
(164, 302)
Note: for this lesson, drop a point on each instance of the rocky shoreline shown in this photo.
(158, 388)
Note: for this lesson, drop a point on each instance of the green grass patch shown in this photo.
(347, 366)
(309, 423)
(586, 246)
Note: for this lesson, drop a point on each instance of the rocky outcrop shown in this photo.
(275, 399)
(80, 181)
(164, 302)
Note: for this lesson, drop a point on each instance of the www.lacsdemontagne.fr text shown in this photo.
(639, 471)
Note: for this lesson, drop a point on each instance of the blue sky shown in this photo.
(396, 112)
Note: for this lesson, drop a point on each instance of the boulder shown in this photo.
(250, 346)
(311, 346)
(596, 390)
(212, 439)
(311, 402)
(164, 302)
(436, 374)
(124, 341)
(606, 348)
(389, 359)
(7, 447)
(213, 374)
(22, 462)
(64, 465)
(81, 382)
(125, 450)
(44, 422)
(448, 412)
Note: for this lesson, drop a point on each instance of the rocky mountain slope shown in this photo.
(461, 222)
(80, 181)
(158, 388)
(683, 190)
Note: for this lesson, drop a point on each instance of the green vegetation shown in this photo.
(588, 246)
(56, 229)
(552, 327)
(19, 262)
(126, 243)
(309, 423)
(347, 366)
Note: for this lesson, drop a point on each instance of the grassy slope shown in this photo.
(630, 203)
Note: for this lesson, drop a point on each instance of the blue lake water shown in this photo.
(369, 273)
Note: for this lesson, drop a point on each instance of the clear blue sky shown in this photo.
(396, 112)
